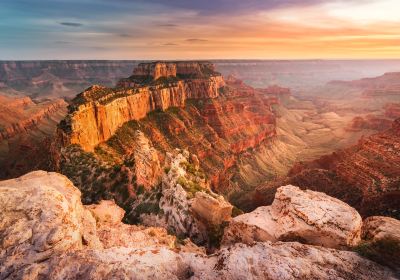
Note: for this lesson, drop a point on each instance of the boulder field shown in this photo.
(46, 233)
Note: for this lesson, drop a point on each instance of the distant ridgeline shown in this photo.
(98, 112)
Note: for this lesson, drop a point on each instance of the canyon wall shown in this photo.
(21, 114)
(220, 122)
(98, 112)
(365, 175)
(63, 78)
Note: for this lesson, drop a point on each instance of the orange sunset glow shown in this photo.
(219, 29)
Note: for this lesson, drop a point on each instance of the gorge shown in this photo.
(194, 170)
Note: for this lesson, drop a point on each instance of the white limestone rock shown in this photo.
(295, 215)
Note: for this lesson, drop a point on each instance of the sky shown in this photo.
(201, 29)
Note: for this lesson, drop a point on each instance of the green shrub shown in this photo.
(384, 251)
(189, 186)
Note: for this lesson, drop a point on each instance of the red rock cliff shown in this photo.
(98, 112)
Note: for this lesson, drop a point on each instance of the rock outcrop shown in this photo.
(370, 122)
(98, 112)
(147, 168)
(377, 228)
(41, 215)
(213, 209)
(46, 233)
(188, 206)
(220, 126)
(296, 215)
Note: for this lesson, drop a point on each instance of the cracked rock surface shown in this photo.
(296, 215)
(46, 233)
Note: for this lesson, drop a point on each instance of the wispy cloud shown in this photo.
(167, 25)
(71, 24)
(62, 42)
(196, 40)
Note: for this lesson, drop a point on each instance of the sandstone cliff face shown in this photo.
(98, 112)
(156, 70)
(47, 233)
(220, 122)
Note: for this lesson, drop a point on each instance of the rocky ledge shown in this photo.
(46, 233)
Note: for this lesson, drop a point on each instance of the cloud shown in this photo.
(170, 44)
(167, 25)
(196, 40)
(215, 7)
(62, 42)
(124, 35)
(71, 24)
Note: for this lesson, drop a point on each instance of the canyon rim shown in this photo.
(199, 140)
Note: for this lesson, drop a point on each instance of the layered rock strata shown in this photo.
(98, 112)
(18, 115)
(366, 175)
(220, 131)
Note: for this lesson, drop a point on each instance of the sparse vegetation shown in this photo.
(385, 251)
(215, 233)
(189, 186)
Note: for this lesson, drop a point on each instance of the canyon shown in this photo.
(183, 172)
(365, 175)
(215, 119)
(27, 128)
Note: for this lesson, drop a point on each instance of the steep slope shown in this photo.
(26, 129)
(367, 175)
(192, 108)
(98, 112)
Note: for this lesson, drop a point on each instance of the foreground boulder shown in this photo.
(213, 209)
(295, 215)
(381, 241)
(41, 214)
(46, 233)
(284, 261)
(261, 261)
(378, 228)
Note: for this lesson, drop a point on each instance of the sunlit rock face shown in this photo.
(98, 112)
(296, 215)
(377, 228)
(46, 233)
(142, 119)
